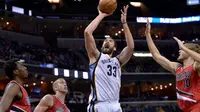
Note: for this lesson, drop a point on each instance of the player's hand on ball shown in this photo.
(180, 43)
(124, 14)
(148, 27)
(103, 14)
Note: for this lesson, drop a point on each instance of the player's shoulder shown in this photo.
(12, 86)
(48, 97)
(48, 100)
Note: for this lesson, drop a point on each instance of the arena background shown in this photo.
(48, 37)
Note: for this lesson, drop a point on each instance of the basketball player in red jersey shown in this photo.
(15, 98)
(54, 103)
(187, 73)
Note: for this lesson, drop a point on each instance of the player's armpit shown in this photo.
(45, 103)
(125, 55)
(10, 92)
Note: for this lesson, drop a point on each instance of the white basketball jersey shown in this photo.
(106, 79)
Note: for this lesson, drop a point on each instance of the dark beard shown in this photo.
(110, 51)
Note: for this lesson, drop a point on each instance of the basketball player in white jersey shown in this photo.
(105, 70)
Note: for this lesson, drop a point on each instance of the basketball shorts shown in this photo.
(104, 107)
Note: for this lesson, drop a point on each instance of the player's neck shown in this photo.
(187, 62)
(18, 80)
(110, 55)
(61, 97)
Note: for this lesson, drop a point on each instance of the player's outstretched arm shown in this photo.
(45, 103)
(90, 44)
(164, 62)
(127, 52)
(10, 92)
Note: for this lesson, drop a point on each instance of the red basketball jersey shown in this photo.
(58, 106)
(187, 87)
(22, 105)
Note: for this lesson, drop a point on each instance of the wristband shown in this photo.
(124, 22)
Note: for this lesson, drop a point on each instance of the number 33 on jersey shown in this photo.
(106, 78)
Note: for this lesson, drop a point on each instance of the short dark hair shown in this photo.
(9, 67)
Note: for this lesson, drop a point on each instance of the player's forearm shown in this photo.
(152, 47)
(2, 109)
(128, 36)
(93, 25)
(193, 54)
(40, 109)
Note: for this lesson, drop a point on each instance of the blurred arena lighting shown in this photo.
(152, 89)
(193, 2)
(17, 10)
(170, 84)
(21, 60)
(168, 20)
(34, 84)
(39, 17)
(7, 23)
(116, 34)
(66, 73)
(122, 29)
(156, 87)
(56, 71)
(6, 7)
(41, 82)
(54, 1)
(76, 74)
(142, 54)
(136, 4)
(30, 12)
(85, 75)
(119, 31)
(107, 36)
(51, 81)
(1, 18)
(165, 86)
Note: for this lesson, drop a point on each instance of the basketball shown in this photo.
(107, 6)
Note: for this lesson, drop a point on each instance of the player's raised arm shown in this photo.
(45, 103)
(10, 92)
(127, 52)
(164, 62)
(90, 44)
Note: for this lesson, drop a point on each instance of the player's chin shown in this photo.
(179, 59)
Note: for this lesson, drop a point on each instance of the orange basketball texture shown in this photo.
(107, 6)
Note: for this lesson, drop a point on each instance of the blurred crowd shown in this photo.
(147, 108)
(65, 58)
(37, 55)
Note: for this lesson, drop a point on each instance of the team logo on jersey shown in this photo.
(184, 75)
(59, 109)
(106, 61)
(28, 100)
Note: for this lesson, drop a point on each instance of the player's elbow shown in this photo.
(131, 47)
(2, 109)
(87, 32)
